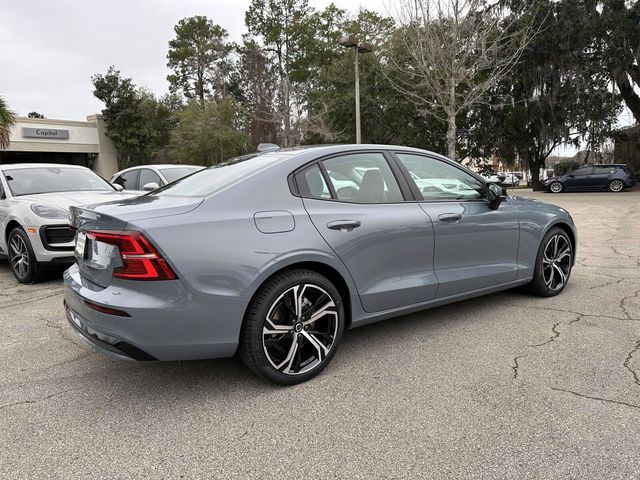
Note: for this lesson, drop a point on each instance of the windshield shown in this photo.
(218, 177)
(173, 174)
(29, 181)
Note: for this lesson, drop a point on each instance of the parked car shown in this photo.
(34, 213)
(613, 177)
(511, 180)
(264, 255)
(495, 178)
(149, 177)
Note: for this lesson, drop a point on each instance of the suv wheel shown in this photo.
(555, 187)
(553, 264)
(22, 260)
(292, 327)
(616, 186)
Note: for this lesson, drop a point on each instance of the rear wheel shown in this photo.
(293, 327)
(555, 187)
(553, 264)
(616, 186)
(22, 260)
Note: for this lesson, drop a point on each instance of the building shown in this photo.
(43, 140)
(627, 147)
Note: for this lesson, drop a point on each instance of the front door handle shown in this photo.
(450, 217)
(343, 225)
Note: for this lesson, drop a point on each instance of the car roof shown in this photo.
(14, 166)
(161, 165)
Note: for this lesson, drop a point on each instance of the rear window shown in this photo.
(216, 178)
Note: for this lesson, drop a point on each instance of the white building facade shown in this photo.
(43, 140)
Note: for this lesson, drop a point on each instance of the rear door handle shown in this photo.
(450, 217)
(343, 225)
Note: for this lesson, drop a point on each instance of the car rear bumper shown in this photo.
(155, 320)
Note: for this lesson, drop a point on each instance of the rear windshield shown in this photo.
(219, 177)
(173, 174)
(30, 181)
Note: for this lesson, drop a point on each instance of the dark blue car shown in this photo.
(613, 177)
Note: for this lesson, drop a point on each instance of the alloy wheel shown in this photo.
(19, 257)
(300, 329)
(616, 186)
(556, 187)
(556, 262)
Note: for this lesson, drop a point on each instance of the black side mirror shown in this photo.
(495, 194)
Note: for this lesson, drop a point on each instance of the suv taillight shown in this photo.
(140, 259)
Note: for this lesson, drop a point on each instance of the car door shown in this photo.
(357, 205)
(579, 179)
(5, 211)
(475, 247)
(601, 176)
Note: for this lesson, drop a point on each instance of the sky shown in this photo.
(50, 49)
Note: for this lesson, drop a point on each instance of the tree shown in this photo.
(136, 122)
(454, 51)
(199, 58)
(35, 115)
(559, 93)
(211, 133)
(7, 120)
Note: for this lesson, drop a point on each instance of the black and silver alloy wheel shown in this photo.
(555, 187)
(616, 186)
(556, 262)
(300, 329)
(553, 264)
(22, 260)
(293, 327)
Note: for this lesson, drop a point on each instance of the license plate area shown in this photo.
(81, 245)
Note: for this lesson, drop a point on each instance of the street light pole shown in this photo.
(358, 48)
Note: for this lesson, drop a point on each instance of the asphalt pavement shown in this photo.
(503, 386)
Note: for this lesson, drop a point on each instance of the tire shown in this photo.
(555, 187)
(616, 186)
(22, 260)
(553, 264)
(273, 309)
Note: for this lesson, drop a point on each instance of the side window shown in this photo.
(363, 178)
(2, 194)
(437, 180)
(148, 176)
(128, 180)
(583, 171)
(604, 170)
(311, 183)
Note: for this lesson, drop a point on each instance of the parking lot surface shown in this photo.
(503, 386)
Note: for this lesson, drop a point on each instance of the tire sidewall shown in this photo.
(33, 263)
(615, 191)
(251, 348)
(538, 283)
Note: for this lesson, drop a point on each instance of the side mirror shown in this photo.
(495, 194)
(148, 187)
(117, 186)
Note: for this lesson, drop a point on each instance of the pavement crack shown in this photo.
(627, 362)
(623, 306)
(32, 300)
(599, 399)
(612, 282)
(556, 334)
(47, 397)
(516, 366)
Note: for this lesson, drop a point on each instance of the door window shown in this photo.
(128, 180)
(604, 170)
(582, 171)
(148, 176)
(363, 178)
(437, 180)
(311, 183)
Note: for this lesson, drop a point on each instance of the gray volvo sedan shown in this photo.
(274, 255)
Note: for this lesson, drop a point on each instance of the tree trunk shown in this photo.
(451, 137)
(534, 168)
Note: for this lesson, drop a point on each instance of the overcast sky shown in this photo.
(50, 49)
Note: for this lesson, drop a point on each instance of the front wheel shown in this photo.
(22, 260)
(616, 186)
(555, 187)
(553, 264)
(292, 327)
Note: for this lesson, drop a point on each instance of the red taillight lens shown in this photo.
(140, 260)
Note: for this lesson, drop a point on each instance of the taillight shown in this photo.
(140, 259)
